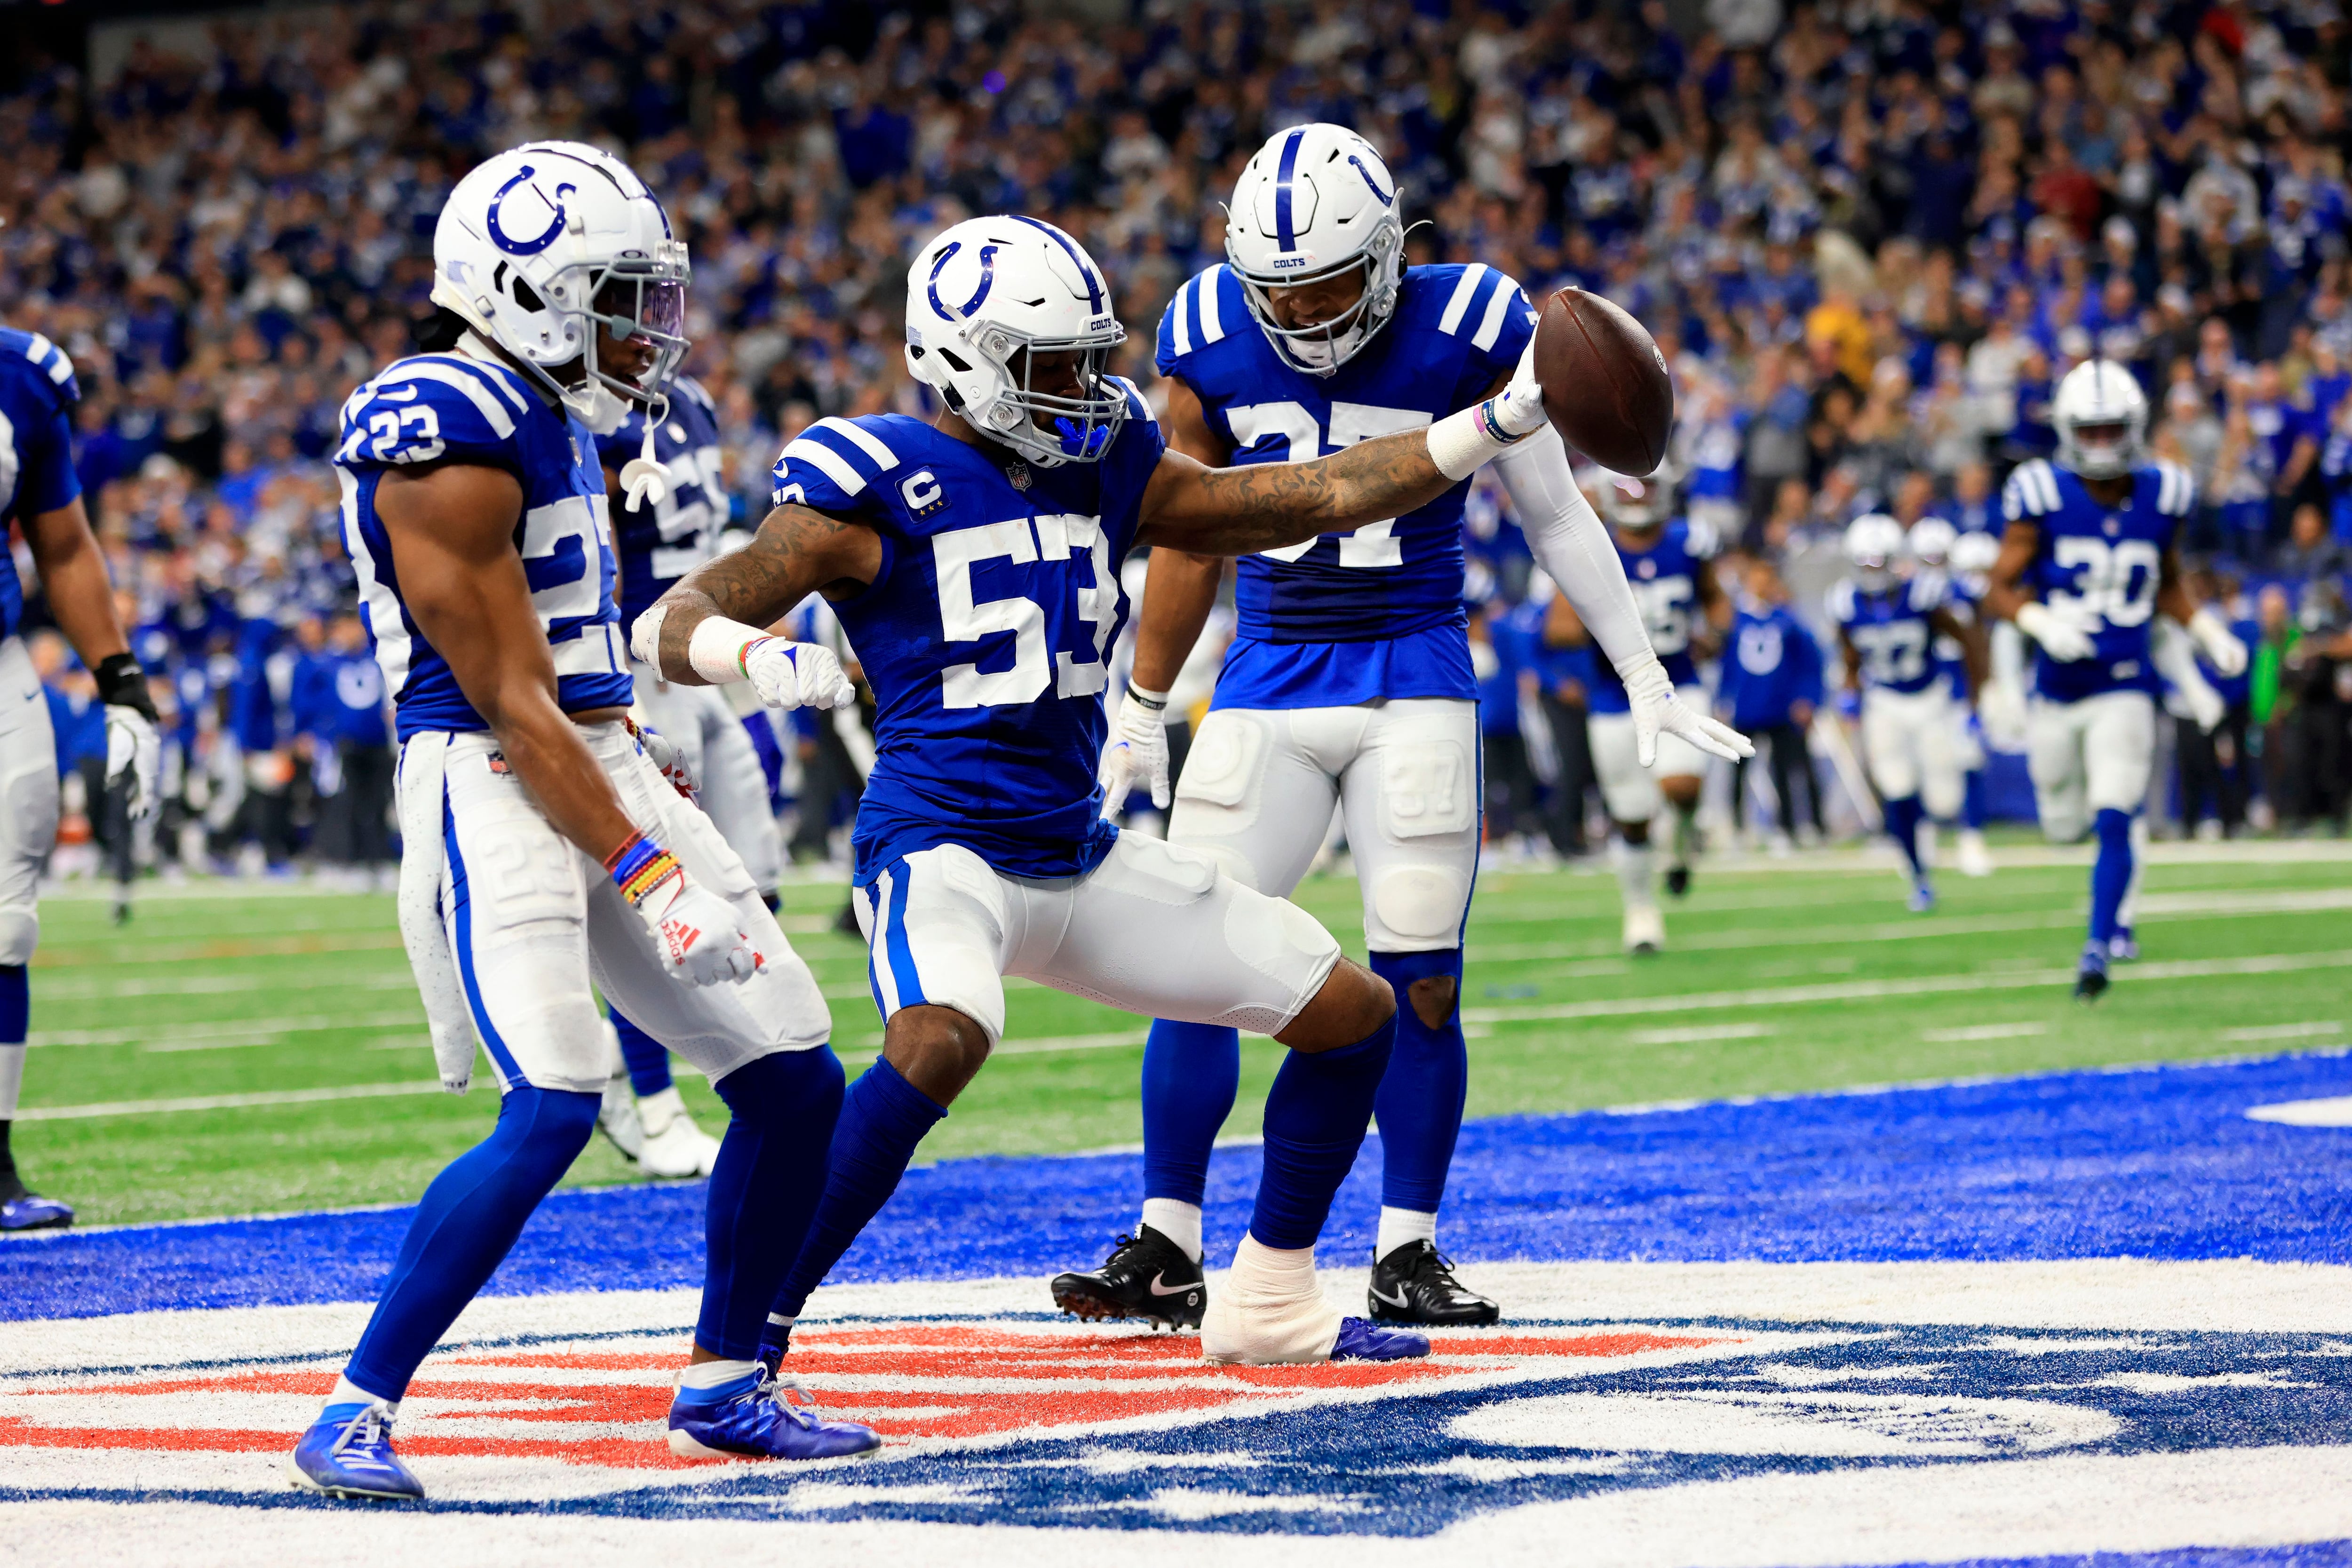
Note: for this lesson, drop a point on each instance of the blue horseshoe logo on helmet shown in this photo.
(532, 247)
(987, 280)
(1388, 198)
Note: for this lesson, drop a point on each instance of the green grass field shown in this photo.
(1804, 975)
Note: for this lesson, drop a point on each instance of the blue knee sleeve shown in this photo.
(648, 1058)
(1190, 1073)
(1315, 1120)
(1902, 825)
(2111, 873)
(1972, 801)
(16, 1003)
(882, 1118)
(764, 1189)
(465, 1222)
(1420, 1099)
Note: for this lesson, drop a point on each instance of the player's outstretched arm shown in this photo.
(452, 533)
(708, 629)
(2214, 639)
(73, 577)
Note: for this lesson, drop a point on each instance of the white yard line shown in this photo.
(222, 1101)
(228, 1033)
(1989, 1032)
(2286, 1031)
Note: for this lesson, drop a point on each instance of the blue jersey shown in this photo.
(659, 544)
(1348, 618)
(986, 635)
(1891, 629)
(37, 471)
(1664, 574)
(2102, 566)
(1770, 664)
(454, 408)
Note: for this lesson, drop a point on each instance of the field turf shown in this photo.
(236, 1051)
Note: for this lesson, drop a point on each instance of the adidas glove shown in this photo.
(695, 931)
(664, 755)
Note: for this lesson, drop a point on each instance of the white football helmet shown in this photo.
(1873, 544)
(2099, 395)
(1317, 201)
(982, 299)
(541, 243)
(1635, 504)
(1931, 541)
(1972, 555)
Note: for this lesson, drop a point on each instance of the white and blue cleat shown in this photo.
(1922, 900)
(1363, 1339)
(748, 1419)
(347, 1453)
(30, 1211)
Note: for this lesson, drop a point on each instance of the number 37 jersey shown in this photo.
(2101, 565)
(986, 635)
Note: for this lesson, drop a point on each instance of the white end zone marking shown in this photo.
(2334, 1112)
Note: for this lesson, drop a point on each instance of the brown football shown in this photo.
(1604, 383)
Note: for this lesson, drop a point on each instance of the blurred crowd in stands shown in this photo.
(1869, 236)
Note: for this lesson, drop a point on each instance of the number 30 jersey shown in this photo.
(986, 635)
(2103, 566)
(1348, 618)
(455, 409)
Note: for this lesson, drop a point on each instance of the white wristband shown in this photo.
(1462, 443)
(716, 650)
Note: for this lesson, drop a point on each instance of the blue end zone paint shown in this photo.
(2159, 1163)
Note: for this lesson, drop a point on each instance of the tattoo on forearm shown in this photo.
(785, 560)
(1266, 505)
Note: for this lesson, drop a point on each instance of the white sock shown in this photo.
(350, 1393)
(711, 1374)
(1637, 872)
(1399, 1226)
(1179, 1221)
(12, 1079)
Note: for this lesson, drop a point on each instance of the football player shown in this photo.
(1967, 558)
(1349, 683)
(1888, 625)
(41, 494)
(973, 562)
(1668, 562)
(662, 531)
(546, 858)
(2089, 563)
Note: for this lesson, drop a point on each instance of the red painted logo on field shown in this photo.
(912, 1381)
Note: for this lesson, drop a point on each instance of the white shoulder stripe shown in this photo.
(1211, 314)
(1457, 304)
(464, 381)
(1490, 327)
(1180, 322)
(2047, 478)
(826, 462)
(508, 381)
(857, 436)
(60, 367)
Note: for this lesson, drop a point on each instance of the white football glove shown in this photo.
(788, 674)
(2223, 649)
(697, 934)
(1657, 709)
(135, 752)
(1135, 749)
(664, 755)
(2001, 712)
(1519, 410)
(2061, 637)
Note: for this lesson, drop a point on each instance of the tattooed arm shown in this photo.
(796, 552)
(1239, 511)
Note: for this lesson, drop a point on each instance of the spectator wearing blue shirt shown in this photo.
(339, 701)
(1771, 685)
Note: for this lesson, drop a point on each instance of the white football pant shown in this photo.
(2090, 756)
(1907, 742)
(1156, 929)
(1259, 786)
(710, 741)
(1628, 789)
(537, 926)
(28, 827)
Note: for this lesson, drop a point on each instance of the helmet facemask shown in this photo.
(1322, 349)
(2108, 450)
(1049, 428)
(639, 299)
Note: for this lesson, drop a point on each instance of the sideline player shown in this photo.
(546, 858)
(659, 534)
(1668, 561)
(2089, 561)
(973, 564)
(1888, 625)
(42, 495)
(1349, 683)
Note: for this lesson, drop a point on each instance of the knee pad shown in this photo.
(20, 933)
(1222, 771)
(1420, 902)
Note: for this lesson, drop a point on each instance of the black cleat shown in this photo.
(1678, 880)
(1146, 1276)
(1415, 1284)
(2091, 979)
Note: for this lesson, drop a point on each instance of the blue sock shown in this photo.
(763, 1189)
(648, 1058)
(468, 1219)
(1191, 1074)
(1973, 801)
(1315, 1120)
(1902, 825)
(16, 1003)
(1420, 1099)
(882, 1120)
(2110, 873)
